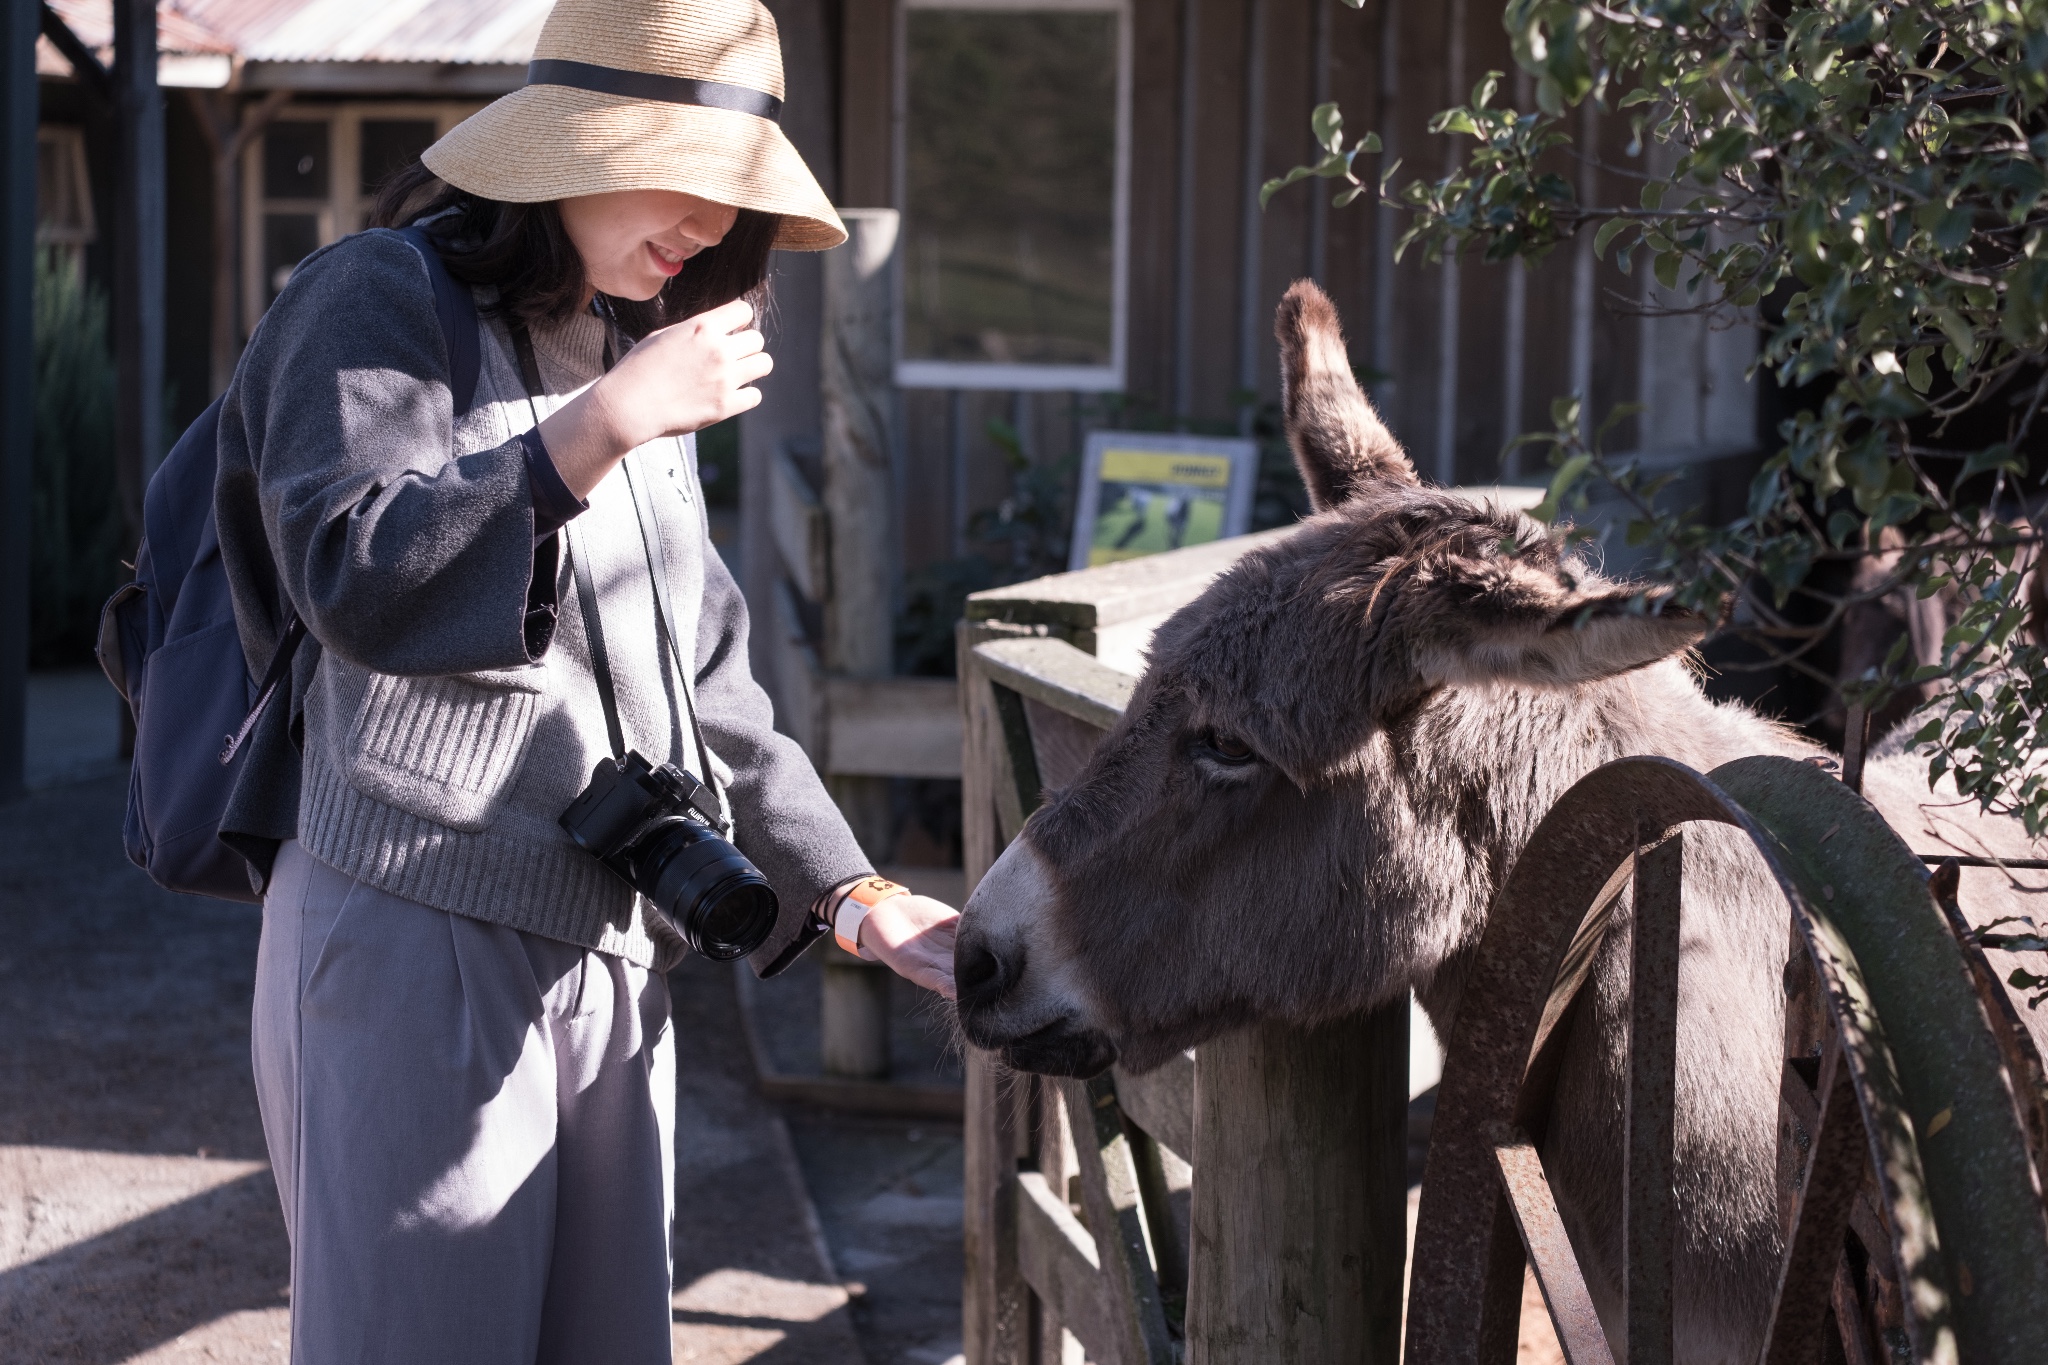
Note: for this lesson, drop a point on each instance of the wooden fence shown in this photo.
(1089, 1233)
(1311, 1123)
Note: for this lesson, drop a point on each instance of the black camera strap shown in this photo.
(593, 631)
(593, 623)
(657, 571)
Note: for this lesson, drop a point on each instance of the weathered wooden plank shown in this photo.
(798, 677)
(1109, 1193)
(893, 727)
(796, 520)
(980, 753)
(1061, 743)
(1291, 1166)
(1018, 792)
(1088, 599)
(1058, 675)
(1162, 1102)
(866, 101)
(995, 1302)
(1057, 1258)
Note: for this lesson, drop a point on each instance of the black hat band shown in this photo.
(645, 85)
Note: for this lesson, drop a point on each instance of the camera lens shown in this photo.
(718, 900)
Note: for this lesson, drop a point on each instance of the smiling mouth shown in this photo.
(666, 261)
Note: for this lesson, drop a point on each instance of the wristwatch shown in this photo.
(854, 902)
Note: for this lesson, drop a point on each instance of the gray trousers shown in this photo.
(472, 1130)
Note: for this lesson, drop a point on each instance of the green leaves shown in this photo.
(1326, 122)
(1876, 170)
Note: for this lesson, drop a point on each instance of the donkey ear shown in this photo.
(1339, 442)
(1510, 620)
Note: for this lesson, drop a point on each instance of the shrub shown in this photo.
(75, 552)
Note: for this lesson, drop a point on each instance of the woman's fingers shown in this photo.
(913, 936)
(746, 341)
(726, 318)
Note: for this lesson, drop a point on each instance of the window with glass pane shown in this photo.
(1010, 186)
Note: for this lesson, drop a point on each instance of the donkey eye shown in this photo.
(1228, 749)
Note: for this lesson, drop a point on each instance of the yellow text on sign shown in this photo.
(1160, 466)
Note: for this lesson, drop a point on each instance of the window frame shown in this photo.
(345, 206)
(74, 226)
(1014, 375)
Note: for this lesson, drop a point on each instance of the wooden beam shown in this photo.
(419, 80)
(17, 375)
(138, 258)
(796, 520)
(867, 102)
(85, 64)
(892, 727)
(228, 127)
(1058, 1260)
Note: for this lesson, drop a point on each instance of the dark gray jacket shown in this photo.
(444, 712)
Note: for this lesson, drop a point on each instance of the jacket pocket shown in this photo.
(446, 749)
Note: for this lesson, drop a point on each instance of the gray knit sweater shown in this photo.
(449, 712)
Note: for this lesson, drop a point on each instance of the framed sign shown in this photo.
(1145, 491)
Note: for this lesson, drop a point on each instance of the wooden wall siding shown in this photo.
(1218, 205)
(1461, 378)
(867, 103)
(1156, 35)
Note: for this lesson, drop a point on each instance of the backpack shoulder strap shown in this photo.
(456, 308)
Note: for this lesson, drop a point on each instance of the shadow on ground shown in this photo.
(138, 1221)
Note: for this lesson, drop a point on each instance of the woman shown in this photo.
(461, 1033)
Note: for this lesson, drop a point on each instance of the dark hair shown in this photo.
(524, 251)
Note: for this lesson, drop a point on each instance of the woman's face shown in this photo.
(635, 241)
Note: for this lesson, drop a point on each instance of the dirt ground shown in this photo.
(138, 1220)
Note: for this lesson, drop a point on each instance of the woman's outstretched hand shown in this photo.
(680, 379)
(913, 936)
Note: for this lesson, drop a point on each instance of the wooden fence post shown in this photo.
(17, 373)
(996, 1304)
(859, 396)
(1299, 1220)
(138, 258)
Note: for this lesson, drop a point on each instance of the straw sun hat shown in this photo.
(646, 95)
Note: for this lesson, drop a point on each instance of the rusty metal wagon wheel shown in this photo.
(1908, 1105)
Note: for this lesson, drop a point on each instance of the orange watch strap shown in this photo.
(853, 904)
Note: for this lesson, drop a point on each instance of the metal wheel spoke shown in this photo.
(1550, 1251)
(1652, 1088)
(1827, 1190)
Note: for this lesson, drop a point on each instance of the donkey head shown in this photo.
(1308, 801)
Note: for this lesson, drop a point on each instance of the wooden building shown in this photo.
(279, 118)
(1080, 246)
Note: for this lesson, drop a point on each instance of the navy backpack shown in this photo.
(169, 645)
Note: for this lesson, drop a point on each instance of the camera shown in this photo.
(652, 826)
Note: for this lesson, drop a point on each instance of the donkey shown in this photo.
(1325, 774)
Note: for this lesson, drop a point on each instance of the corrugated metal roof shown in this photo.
(176, 31)
(460, 31)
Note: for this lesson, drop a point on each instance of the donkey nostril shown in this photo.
(978, 973)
